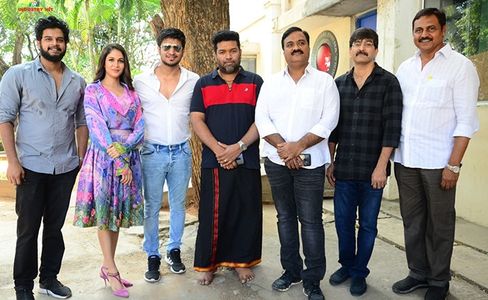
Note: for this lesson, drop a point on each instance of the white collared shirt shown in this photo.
(439, 103)
(166, 120)
(294, 109)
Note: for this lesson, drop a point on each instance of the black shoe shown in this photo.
(407, 285)
(358, 286)
(152, 274)
(286, 280)
(437, 292)
(313, 292)
(339, 276)
(173, 259)
(23, 294)
(54, 288)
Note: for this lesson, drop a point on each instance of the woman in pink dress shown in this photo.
(110, 184)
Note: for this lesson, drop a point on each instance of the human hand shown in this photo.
(230, 165)
(112, 151)
(330, 174)
(126, 177)
(449, 179)
(15, 173)
(229, 154)
(378, 178)
(289, 151)
(294, 164)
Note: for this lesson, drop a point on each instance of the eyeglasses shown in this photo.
(166, 47)
(366, 43)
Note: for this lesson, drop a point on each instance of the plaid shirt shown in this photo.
(370, 118)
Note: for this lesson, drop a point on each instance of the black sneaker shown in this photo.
(152, 274)
(23, 294)
(339, 276)
(358, 286)
(437, 292)
(313, 292)
(286, 280)
(173, 259)
(407, 285)
(54, 288)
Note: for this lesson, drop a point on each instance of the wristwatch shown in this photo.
(454, 169)
(242, 146)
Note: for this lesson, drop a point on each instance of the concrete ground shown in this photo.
(82, 261)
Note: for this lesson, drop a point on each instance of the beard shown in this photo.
(171, 64)
(52, 58)
(230, 68)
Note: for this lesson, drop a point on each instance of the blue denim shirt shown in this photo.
(46, 118)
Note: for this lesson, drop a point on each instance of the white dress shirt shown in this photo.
(439, 103)
(294, 109)
(166, 120)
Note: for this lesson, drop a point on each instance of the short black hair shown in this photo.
(225, 35)
(364, 33)
(51, 22)
(290, 31)
(431, 11)
(173, 33)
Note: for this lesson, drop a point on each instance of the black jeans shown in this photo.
(298, 196)
(41, 197)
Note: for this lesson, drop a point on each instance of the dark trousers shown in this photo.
(299, 193)
(41, 197)
(429, 220)
(349, 196)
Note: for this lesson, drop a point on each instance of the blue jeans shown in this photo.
(172, 164)
(297, 195)
(349, 196)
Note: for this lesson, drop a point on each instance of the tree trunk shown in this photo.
(3, 67)
(199, 20)
(19, 43)
(91, 51)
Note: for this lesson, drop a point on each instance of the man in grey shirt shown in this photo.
(45, 99)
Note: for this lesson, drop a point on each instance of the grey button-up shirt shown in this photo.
(47, 118)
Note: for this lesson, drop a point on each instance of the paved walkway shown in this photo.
(82, 260)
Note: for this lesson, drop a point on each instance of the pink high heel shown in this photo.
(103, 275)
(123, 292)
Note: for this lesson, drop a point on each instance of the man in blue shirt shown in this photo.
(45, 99)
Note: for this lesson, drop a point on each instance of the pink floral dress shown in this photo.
(102, 200)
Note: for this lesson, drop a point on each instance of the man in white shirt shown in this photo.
(440, 90)
(297, 110)
(165, 94)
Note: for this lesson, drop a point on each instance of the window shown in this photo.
(367, 20)
(467, 32)
(249, 63)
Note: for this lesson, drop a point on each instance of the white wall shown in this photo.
(471, 194)
(394, 28)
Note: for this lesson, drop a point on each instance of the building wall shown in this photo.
(471, 194)
(395, 32)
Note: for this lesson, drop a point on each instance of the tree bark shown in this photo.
(19, 43)
(199, 20)
(3, 67)
(91, 51)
